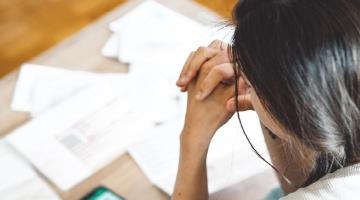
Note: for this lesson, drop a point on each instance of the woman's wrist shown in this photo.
(195, 142)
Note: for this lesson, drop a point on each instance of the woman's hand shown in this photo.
(208, 77)
(204, 117)
(216, 64)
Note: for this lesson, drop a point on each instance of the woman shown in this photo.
(297, 64)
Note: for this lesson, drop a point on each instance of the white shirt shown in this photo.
(342, 184)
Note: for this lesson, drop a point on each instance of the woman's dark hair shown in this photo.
(302, 58)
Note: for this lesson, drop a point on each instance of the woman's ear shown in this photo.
(244, 86)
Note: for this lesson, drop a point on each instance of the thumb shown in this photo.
(244, 103)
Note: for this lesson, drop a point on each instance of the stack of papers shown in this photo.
(19, 180)
(82, 121)
(91, 120)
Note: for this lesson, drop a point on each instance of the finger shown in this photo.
(218, 44)
(244, 103)
(224, 46)
(181, 77)
(213, 78)
(220, 58)
(200, 56)
(183, 89)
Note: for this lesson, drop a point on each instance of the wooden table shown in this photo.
(82, 51)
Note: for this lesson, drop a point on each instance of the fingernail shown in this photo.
(184, 78)
(178, 83)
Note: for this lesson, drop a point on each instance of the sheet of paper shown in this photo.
(230, 157)
(155, 92)
(76, 138)
(155, 29)
(150, 85)
(19, 180)
(40, 87)
(111, 47)
(153, 32)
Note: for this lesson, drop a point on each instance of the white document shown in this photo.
(148, 85)
(19, 180)
(41, 87)
(230, 158)
(111, 47)
(76, 138)
(153, 32)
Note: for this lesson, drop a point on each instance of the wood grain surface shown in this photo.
(29, 27)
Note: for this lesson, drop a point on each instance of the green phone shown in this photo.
(102, 193)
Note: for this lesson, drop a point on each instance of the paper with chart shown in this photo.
(75, 138)
(230, 158)
(19, 180)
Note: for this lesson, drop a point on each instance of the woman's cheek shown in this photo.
(259, 108)
(264, 116)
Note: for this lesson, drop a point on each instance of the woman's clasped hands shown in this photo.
(208, 77)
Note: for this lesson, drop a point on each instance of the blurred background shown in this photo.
(29, 27)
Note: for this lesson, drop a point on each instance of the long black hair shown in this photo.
(302, 58)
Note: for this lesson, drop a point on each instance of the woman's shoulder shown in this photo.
(341, 184)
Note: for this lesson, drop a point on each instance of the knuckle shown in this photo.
(215, 43)
(219, 70)
(191, 72)
(224, 56)
(204, 85)
(201, 49)
(206, 67)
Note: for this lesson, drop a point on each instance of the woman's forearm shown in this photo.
(191, 181)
